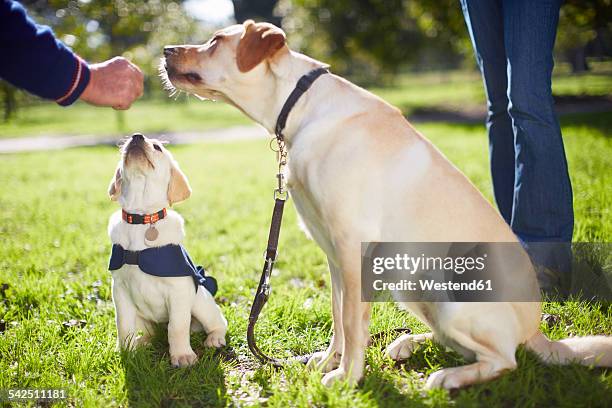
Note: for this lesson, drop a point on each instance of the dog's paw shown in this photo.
(448, 378)
(401, 348)
(339, 374)
(324, 361)
(142, 340)
(404, 345)
(215, 339)
(183, 359)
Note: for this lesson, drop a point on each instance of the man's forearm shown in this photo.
(33, 59)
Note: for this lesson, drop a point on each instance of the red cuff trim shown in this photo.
(76, 78)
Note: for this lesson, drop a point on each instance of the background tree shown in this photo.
(98, 30)
(368, 40)
(101, 29)
(585, 30)
(258, 10)
(371, 40)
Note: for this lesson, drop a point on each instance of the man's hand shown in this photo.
(116, 82)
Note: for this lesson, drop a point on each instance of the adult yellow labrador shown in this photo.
(358, 171)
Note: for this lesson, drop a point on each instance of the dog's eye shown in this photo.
(192, 77)
(156, 147)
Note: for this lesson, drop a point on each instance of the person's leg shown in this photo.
(542, 208)
(484, 21)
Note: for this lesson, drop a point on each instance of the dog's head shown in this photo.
(147, 176)
(239, 54)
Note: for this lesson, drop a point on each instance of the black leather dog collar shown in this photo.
(302, 86)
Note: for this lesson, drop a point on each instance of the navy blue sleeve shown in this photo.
(33, 59)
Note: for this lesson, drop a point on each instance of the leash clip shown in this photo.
(265, 291)
(281, 193)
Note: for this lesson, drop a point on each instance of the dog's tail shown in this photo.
(591, 350)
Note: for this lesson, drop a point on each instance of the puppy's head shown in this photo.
(147, 177)
(238, 54)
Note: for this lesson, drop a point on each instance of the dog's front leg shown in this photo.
(355, 322)
(181, 353)
(330, 359)
(125, 317)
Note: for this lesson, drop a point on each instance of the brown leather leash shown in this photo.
(280, 196)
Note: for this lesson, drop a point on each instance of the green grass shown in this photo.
(413, 93)
(150, 116)
(464, 90)
(54, 254)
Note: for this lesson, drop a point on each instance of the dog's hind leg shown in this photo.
(329, 359)
(481, 371)
(208, 313)
(196, 326)
(494, 347)
(404, 345)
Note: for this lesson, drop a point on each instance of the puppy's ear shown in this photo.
(114, 189)
(178, 189)
(258, 42)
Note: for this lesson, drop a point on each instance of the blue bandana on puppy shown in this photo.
(165, 261)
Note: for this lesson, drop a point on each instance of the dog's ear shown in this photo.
(258, 42)
(178, 189)
(114, 189)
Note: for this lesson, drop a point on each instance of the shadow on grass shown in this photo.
(150, 380)
(535, 384)
(600, 119)
(532, 384)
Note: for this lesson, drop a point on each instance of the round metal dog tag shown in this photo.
(151, 233)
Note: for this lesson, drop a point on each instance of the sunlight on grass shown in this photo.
(54, 257)
(150, 116)
(411, 93)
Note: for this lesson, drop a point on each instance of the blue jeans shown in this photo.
(513, 41)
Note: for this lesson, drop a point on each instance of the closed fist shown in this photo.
(116, 82)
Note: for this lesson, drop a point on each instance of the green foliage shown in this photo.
(101, 29)
(368, 38)
(581, 21)
(372, 40)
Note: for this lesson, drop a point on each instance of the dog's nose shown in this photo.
(137, 137)
(169, 50)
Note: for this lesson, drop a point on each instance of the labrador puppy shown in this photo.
(154, 280)
(359, 172)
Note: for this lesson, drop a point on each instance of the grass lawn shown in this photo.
(150, 116)
(54, 257)
(413, 93)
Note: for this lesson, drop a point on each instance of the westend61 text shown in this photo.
(432, 285)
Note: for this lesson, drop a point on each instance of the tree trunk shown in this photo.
(9, 100)
(259, 10)
(577, 59)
